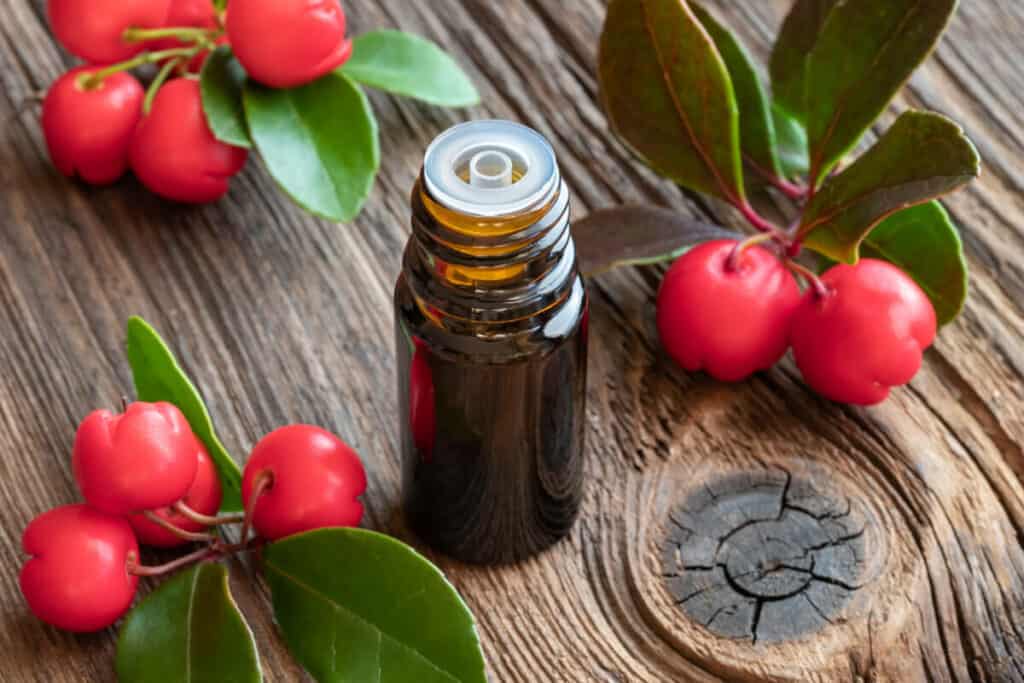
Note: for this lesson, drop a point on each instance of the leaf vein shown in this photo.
(338, 607)
(677, 105)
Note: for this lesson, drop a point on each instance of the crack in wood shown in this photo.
(790, 571)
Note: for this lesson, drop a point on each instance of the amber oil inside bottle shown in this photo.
(491, 339)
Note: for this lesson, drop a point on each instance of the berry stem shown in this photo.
(213, 551)
(95, 79)
(812, 279)
(733, 263)
(143, 570)
(206, 520)
(161, 76)
(231, 548)
(176, 530)
(263, 482)
(182, 33)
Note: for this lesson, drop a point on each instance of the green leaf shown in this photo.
(668, 95)
(412, 66)
(866, 52)
(797, 37)
(221, 86)
(757, 130)
(188, 630)
(319, 142)
(926, 245)
(158, 377)
(791, 139)
(638, 235)
(922, 157)
(355, 605)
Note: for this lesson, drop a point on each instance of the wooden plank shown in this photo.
(283, 318)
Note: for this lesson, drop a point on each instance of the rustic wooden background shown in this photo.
(283, 318)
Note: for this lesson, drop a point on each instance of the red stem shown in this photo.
(733, 263)
(142, 570)
(792, 190)
(264, 481)
(755, 219)
(176, 530)
(211, 552)
(812, 279)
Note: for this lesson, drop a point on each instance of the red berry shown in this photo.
(287, 43)
(174, 152)
(729, 322)
(421, 401)
(141, 460)
(189, 14)
(94, 29)
(203, 496)
(315, 482)
(866, 335)
(89, 130)
(77, 578)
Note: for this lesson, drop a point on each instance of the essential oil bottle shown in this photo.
(491, 322)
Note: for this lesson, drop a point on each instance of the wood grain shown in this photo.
(281, 317)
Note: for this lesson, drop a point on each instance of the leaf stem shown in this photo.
(206, 520)
(794, 191)
(812, 279)
(756, 220)
(176, 530)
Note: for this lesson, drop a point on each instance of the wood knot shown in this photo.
(765, 556)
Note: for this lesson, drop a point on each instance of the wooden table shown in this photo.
(284, 318)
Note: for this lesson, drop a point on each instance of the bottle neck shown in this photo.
(465, 269)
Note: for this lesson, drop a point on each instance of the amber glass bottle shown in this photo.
(491, 320)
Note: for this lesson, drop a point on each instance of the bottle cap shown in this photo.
(491, 168)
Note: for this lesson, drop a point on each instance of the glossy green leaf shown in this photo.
(319, 142)
(668, 95)
(791, 141)
(221, 85)
(926, 245)
(158, 377)
(757, 130)
(355, 605)
(188, 630)
(412, 66)
(797, 37)
(866, 52)
(638, 235)
(922, 157)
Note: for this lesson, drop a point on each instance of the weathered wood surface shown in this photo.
(913, 512)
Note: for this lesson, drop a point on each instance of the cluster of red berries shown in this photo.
(731, 310)
(98, 119)
(147, 478)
